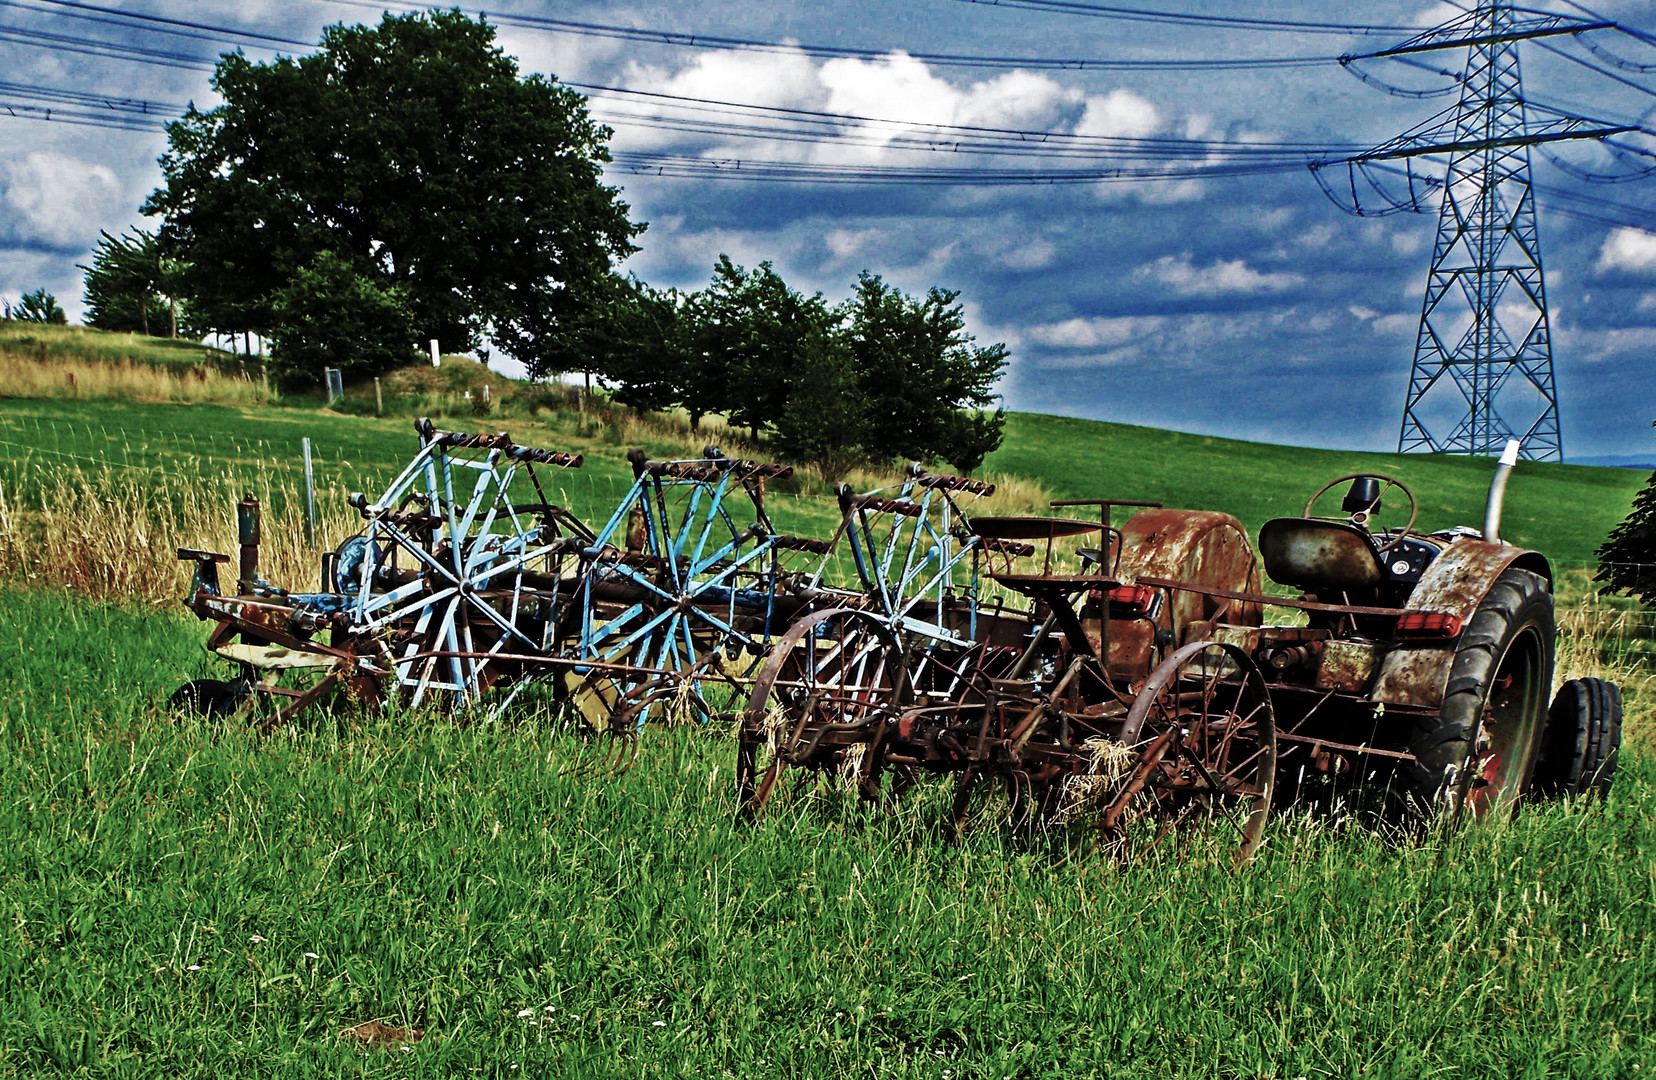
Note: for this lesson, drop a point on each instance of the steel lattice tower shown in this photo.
(1484, 316)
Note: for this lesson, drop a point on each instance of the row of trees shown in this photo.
(881, 375)
(405, 182)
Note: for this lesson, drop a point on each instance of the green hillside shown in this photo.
(1564, 511)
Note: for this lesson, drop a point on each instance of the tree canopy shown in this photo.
(417, 157)
(133, 285)
(39, 306)
(1627, 560)
(880, 376)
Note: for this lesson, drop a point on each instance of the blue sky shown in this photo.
(1245, 306)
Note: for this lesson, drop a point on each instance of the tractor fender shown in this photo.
(1455, 583)
(1200, 547)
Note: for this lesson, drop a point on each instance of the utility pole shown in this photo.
(1484, 326)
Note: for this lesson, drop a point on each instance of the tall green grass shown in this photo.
(182, 899)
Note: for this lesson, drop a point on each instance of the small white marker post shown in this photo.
(436, 356)
(310, 495)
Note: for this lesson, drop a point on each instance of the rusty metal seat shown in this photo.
(1314, 553)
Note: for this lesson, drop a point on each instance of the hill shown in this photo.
(1564, 511)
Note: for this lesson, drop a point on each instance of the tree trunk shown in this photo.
(172, 318)
(143, 312)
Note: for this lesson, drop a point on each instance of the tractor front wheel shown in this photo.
(1581, 741)
(1479, 749)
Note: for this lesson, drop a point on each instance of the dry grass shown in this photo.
(124, 379)
(106, 538)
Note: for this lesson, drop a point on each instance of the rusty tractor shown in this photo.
(1146, 692)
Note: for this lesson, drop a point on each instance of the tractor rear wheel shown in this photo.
(1581, 741)
(1479, 749)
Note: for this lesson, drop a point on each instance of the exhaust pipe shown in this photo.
(1497, 492)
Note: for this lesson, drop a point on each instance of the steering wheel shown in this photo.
(1361, 517)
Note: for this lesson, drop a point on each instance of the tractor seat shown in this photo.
(1308, 553)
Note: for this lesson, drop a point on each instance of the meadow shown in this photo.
(181, 898)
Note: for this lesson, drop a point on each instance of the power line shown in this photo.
(81, 97)
(831, 129)
(684, 39)
(110, 50)
(1101, 142)
(156, 23)
(75, 116)
(1176, 18)
(685, 166)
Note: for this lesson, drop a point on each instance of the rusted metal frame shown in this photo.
(302, 702)
(231, 624)
(1231, 730)
(1269, 601)
(552, 660)
(1345, 748)
(499, 441)
(1050, 591)
(1149, 760)
(1021, 734)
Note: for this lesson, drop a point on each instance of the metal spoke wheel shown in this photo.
(821, 702)
(1205, 738)
(682, 585)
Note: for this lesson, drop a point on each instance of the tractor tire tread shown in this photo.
(1442, 742)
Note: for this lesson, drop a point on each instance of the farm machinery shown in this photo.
(1148, 693)
(1057, 668)
(466, 585)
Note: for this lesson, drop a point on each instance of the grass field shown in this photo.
(181, 899)
(184, 900)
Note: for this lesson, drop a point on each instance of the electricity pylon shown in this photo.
(1484, 316)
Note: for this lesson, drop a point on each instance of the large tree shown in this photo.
(751, 335)
(927, 388)
(414, 153)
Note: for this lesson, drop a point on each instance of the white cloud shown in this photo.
(848, 243)
(1628, 249)
(1120, 113)
(59, 200)
(1319, 236)
(1094, 333)
(1030, 253)
(1386, 325)
(1597, 346)
(1407, 243)
(1224, 276)
(902, 97)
